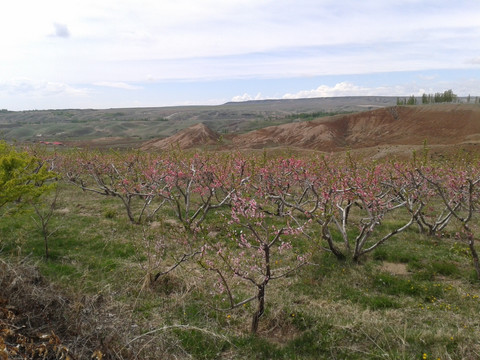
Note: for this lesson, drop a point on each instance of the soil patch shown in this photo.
(395, 268)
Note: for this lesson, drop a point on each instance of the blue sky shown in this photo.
(126, 53)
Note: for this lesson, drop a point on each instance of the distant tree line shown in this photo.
(411, 100)
(446, 97)
(476, 101)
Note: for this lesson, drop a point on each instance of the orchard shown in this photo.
(250, 225)
(273, 207)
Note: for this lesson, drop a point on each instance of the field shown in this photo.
(315, 251)
(141, 124)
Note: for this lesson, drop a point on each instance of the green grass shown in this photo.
(328, 310)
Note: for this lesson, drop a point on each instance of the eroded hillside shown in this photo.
(451, 124)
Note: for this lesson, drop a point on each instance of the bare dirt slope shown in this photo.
(196, 135)
(437, 124)
(440, 125)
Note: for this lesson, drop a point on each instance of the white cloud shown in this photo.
(345, 88)
(475, 61)
(117, 85)
(111, 31)
(340, 89)
(119, 43)
(247, 97)
(38, 89)
(350, 89)
(55, 88)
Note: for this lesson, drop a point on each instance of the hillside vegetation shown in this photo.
(146, 123)
(233, 256)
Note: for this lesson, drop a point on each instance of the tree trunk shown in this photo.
(473, 251)
(260, 309)
(45, 238)
(325, 234)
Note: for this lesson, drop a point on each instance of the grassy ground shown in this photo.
(413, 298)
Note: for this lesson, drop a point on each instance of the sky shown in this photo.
(58, 54)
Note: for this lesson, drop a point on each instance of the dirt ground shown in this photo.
(380, 133)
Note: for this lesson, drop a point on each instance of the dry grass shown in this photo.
(42, 311)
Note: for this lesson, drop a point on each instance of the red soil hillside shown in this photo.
(196, 135)
(445, 124)
(438, 124)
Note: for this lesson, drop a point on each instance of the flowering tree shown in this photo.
(458, 186)
(191, 186)
(124, 176)
(347, 203)
(339, 205)
(259, 251)
(419, 197)
(198, 185)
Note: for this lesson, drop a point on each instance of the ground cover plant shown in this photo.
(185, 255)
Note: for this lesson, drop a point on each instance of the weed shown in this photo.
(110, 213)
(444, 268)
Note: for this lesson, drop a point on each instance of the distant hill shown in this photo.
(194, 136)
(327, 104)
(139, 124)
(374, 126)
(404, 127)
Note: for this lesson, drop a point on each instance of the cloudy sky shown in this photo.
(127, 53)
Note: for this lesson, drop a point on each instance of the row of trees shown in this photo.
(411, 100)
(272, 215)
(476, 100)
(446, 97)
(276, 213)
